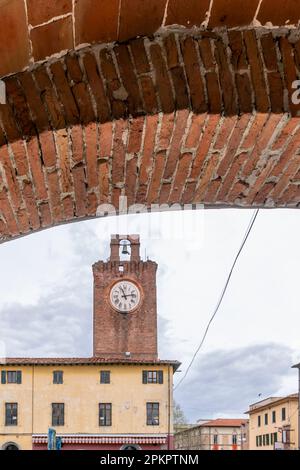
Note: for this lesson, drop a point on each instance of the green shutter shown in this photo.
(3, 376)
(160, 377)
(19, 377)
(145, 377)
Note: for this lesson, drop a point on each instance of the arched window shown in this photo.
(10, 446)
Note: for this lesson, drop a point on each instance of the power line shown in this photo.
(249, 228)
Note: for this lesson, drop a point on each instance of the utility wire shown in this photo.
(249, 228)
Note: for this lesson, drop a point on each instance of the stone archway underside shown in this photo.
(181, 116)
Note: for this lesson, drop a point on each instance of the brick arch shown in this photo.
(185, 116)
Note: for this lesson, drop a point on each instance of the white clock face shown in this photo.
(125, 296)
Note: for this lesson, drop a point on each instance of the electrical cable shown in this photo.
(249, 228)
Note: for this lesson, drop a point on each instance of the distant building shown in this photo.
(273, 423)
(216, 434)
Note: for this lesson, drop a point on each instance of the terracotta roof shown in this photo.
(221, 422)
(45, 361)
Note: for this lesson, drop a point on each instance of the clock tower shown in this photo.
(125, 310)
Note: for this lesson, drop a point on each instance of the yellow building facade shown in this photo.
(121, 397)
(273, 423)
(81, 393)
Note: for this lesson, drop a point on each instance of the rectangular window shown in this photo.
(266, 418)
(11, 414)
(215, 439)
(264, 440)
(273, 416)
(58, 377)
(283, 414)
(153, 414)
(104, 414)
(267, 440)
(275, 437)
(58, 414)
(105, 376)
(11, 377)
(234, 439)
(153, 376)
(257, 441)
(260, 441)
(272, 438)
(259, 421)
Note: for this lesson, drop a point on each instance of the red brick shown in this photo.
(104, 176)
(97, 87)
(50, 101)
(10, 174)
(118, 162)
(139, 56)
(192, 68)
(91, 140)
(236, 44)
(105, 139)
(226, 128)
(206, 176)
(135, 135)
(80, 190)
(64, 92)
(231, 176)
(68, 208)
(45, 214)
(39, 11)
(232, 13)
(285, 133)
(195, 130)
(77, 145)
(101, 16)
(157, 173)
(129, 78)
(276, 91)
(205, 143)
(80, 91)
(269, 52)
(256, 68)
(36, 169)
(140, 18)
(118, 107)
(52, 38)
(20, 157)
(34, 101)
(131, 178)
(14, 41)
(226, 79)
(16, 97)
(62, 145)
(54, 195)
(213, 91)
(30, 202)
(48, 148)
(92, 204)
(270, 11)
(176, 143)
(180, 177)
(206, 53)
(147, 155)
(187, 12)
(233, 144)
(244, 92)
(162, 80)
(148, 94)
(166, 131)
(7, 212)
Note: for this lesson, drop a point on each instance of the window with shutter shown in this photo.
(3, 377)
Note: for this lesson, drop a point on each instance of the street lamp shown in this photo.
(297, 366)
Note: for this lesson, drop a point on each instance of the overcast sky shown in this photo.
(46, 299)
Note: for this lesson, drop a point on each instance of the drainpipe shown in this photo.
(169, 407)
(298, 408)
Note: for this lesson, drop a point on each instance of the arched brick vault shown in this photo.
(183, 115)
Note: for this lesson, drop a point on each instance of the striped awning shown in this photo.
(67, 439)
